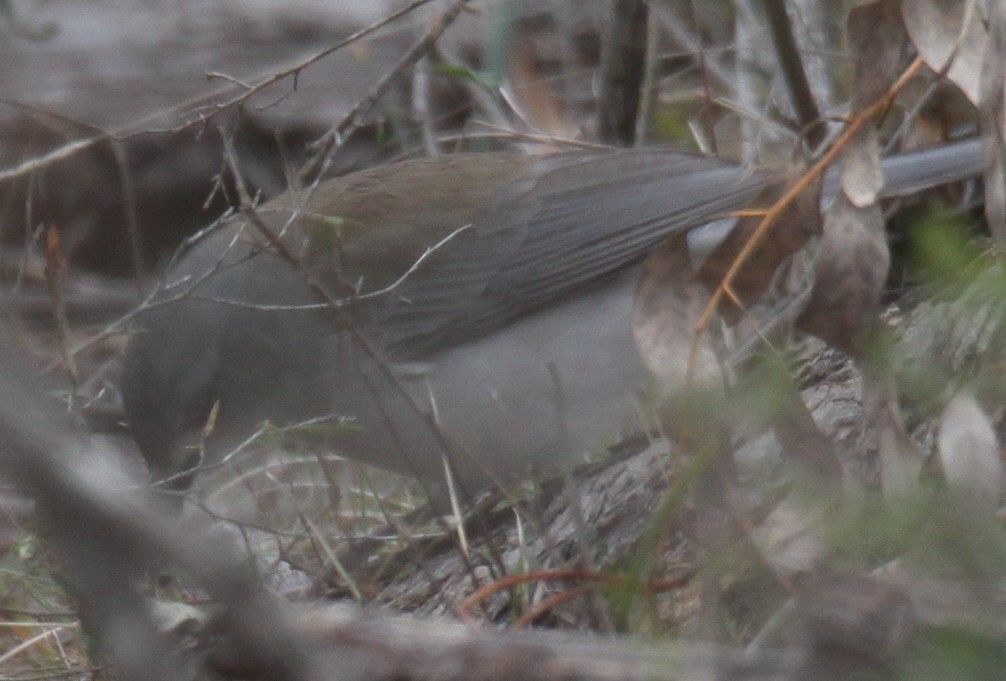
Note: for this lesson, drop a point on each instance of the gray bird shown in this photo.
(474, 307)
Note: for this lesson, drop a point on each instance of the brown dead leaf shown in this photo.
(861, 614)
(992, 109)
(853, 257)
(851, 269)
(900, 460)
(799, 222)
(668, 306)
(949, 33)
(878, 40)
(969, 452)
(862, 174)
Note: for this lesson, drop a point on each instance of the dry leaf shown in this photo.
(949, 32)
(857, 613)
(669, 303)
(851, 270)
(877, 38)
(969, 452)
(798, 223)
(900, 459)
(862, 174)
(792, 536)
(992, 108)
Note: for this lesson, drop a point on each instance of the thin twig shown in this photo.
(777, 209)
(323, 147)
(510, 581)
(794, 75)
(143, 126)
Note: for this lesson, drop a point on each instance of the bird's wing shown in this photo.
(438, 251)
(496, 239)
(409, 244)
(598, 214)
(570, 219)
